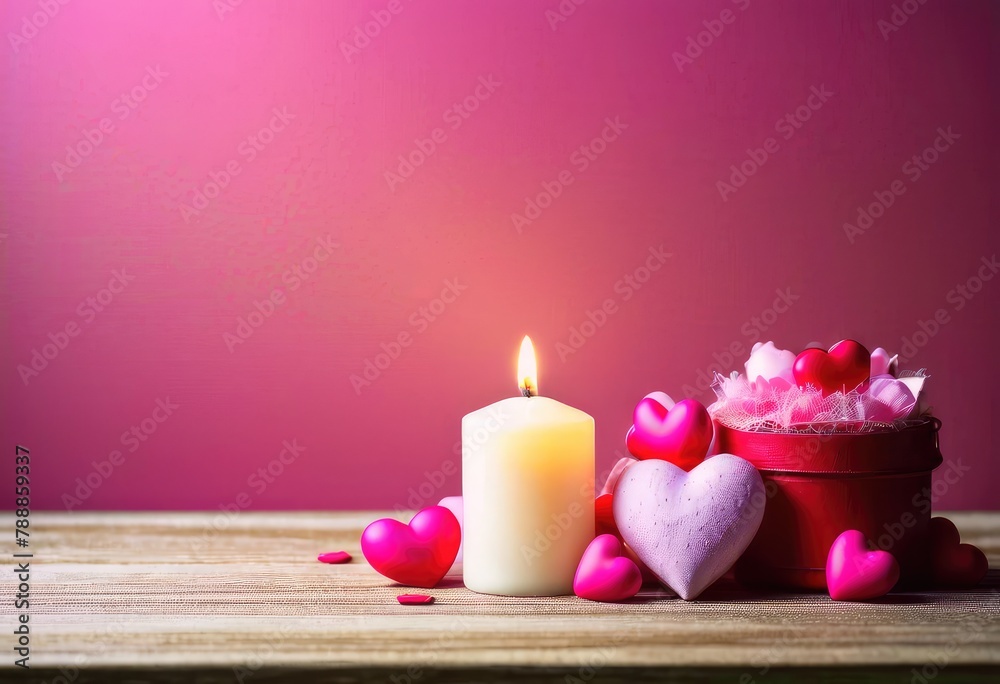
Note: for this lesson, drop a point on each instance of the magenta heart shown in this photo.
(418, 554)
(604, 574)
(689, 528)
(681, 435)
(853, 573)
(842, 369)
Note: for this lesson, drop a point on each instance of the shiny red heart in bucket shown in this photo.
(418, 554)
(681, 435)
(843, 368)
(954, 564)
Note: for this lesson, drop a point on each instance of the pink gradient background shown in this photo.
(324, 175)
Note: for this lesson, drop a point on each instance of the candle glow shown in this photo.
(527, 369)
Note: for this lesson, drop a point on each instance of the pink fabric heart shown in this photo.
(767, 363)
(882, 363)
(776, 384)
(418, 554)
(682, 434)
(853, 573)
(887, 399)
(689, 528)
(604, 574)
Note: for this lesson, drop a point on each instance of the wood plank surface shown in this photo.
(196, 597)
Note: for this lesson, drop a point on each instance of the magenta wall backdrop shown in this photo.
(114, 242)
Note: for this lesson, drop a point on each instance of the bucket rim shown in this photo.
(907, 425)
(910, 450)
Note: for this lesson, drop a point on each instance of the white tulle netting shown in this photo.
(883, 403)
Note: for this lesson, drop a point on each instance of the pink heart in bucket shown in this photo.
(689, 528)
(682, 434)
(887, 399)
(882, 363)
(604, 573)
(418, 554)
(853, 573)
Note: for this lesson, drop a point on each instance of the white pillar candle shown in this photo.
(528, 491)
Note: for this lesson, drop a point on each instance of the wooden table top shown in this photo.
(165, 597)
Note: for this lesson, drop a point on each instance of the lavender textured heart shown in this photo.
(689, 528)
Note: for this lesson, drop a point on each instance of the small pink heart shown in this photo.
(418, 554)
(334, 557)
(414, 599)
(681, 435)
(604, 574)
(853, 573)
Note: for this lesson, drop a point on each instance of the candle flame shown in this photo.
(527, 369)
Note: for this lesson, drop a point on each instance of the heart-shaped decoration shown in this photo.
(843, 368)
(882, 363)
(456, 505)
(689, 528)
(767, 363)
(682, 434)
(853, 573)
(887, 399)
(604, 517)
(418, 554)
(954, 564)
(604, 573)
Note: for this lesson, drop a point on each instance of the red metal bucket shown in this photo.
(819, 485)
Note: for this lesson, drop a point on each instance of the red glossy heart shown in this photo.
(954, 564)
(843, 368)
(418, 554)
(604, 517)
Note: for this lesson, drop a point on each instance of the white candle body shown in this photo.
(528, 491)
